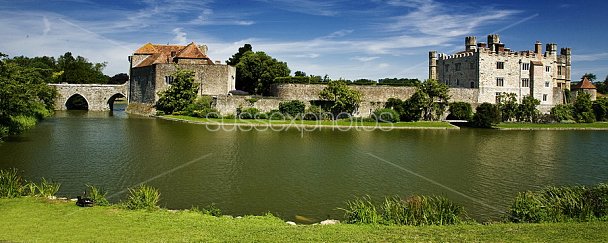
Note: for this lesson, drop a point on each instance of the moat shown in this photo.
(291, 173)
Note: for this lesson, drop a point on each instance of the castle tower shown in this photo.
(433, 65)
(551, 49)
(470, 43)
(567, 53)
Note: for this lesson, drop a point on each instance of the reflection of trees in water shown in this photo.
(77, 102)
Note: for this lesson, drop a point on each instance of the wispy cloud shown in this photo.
(310, 7)
(180, 36)
(47, 26)
(364, 59)
(590, 57)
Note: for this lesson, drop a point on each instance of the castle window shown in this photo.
(168, 80)
(457, 66)
(547, 84)
(472, 84)
(500, 65)
(525, 82)
(457, 82)
(559, 70)
(548, 68)
(544, 97)
(525, 66)
(500, 82)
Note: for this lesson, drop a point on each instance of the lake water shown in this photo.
(291, 172)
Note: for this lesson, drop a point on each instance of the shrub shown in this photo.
(583, 111)
(11, 183)
(292, 108)
(385, 115)
(460, 111)
(98, 195)
(486, 115)
(314, 113)
(600, 108)
(206, 113)
(209, 210)
(421, 210)
(142, 197)
(47, 188)
(560, 204)
(526, 111)
(249, 113)
(275, 115)
(562, 113)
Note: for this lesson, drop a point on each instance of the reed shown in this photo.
(98, 195)
(142, 197)
(11, 183)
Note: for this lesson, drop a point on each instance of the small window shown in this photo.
(525, 82)
(472, 84)
(544, 97)
(168, 80)
(500, 65)
(500, 82)
(559, 70)
(525, 66)
(547, 84)
(498, 94)
(457, 66)
(548, 68)
(457, 82)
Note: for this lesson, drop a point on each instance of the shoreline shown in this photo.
(312, 127)
(596, 126)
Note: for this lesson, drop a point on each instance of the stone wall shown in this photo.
(213, 79)
(99, 97)
(227, 104)
(142, 86)
(307, 92)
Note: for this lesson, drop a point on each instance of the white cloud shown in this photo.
(590, 57)
(364, 59)
(310, 7)
(180, 36)
(47, 25)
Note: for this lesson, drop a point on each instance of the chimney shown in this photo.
(551, 49)
(538, 47)
(470, 42)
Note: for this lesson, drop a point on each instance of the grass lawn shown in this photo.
(556, 126)
(339, 123)
(34, 219)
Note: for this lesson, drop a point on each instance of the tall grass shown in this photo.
(561, 204)
(142, 197)
(47, 188)
(211, 209)
(98, 195)
(11, 183)
(415, 210)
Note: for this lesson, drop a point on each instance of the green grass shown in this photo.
(34, 219)
(341, 123)
(582, 126)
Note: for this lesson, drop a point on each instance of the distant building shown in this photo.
(494, 69)
(152, 66)
(585, 86)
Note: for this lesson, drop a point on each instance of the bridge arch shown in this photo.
(76, 102)
(98, 97)
(113, 98)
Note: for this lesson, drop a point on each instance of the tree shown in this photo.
(236, 58)
(80, 71)
(438, 98)
(526, 111)
(583, 109)
(590, 76)
(299, 74)
(256, 71)
(460, 111)
(25, 97)
(292, 108)
(600, 109)
(508, 106)
(120, 78)
(562, 113)
(486, 115)
(179, 95)
(343, 98)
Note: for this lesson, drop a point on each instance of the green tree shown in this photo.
(236, 58)
(385, 115)
(600, 109)
(343, 98)
(486, 115)
(508, 106)
(562, 113)
(80, 71)
(590, 76)
(438, 98)
(25, 96)
(460, 111)
(179, 95)
(299, 74)
(120, 78)
(583, 109)
(292, 108)
(526, 111)
(256, 71)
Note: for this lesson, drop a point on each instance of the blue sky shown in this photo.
(349, 39)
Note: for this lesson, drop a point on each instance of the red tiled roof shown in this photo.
(166, 53)
(584, 84)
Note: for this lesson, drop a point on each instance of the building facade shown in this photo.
(152, 67)
(494, 69)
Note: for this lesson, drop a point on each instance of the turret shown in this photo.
(538, 47)
(433, 65)
(470, 43)
(551, 49)
(493, 39)
(567, 53)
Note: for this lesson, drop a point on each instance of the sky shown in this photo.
(370, 39)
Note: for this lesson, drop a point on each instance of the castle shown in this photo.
(493, 69)
(152, 66)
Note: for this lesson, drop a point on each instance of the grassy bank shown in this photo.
(34, 219)
(306, 123)
(554, 126)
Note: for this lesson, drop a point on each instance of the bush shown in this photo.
(292, 108)
(249, 113)
(561, 204)
(583, 111)
(486, 116)
(209, 210)
(206, 113)
(600, 108)
(460, 111)
(142, 197)
(314, 113)
(11, 183)
(385, 115)
(361, 211)
(98, 195)
(562, 113)
(47, 188)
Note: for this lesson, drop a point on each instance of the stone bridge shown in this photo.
(98, 97)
